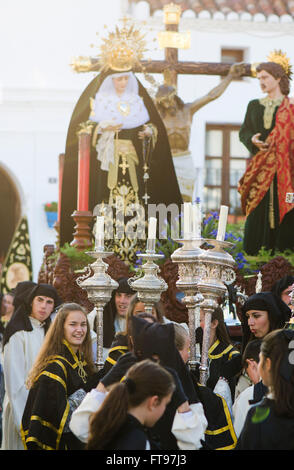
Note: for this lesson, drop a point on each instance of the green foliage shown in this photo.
(51, 207)
(78, 259)
(264, 256)
(247, 265)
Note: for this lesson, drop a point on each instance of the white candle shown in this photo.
(187, 220)
(152, 228)
(196, 221)
(199, 206)
(222, 223)
(99, 234)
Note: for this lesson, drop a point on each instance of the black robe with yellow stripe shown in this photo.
(225, 360)
(47, 408)
(220, 433)
(118, 348)
(159, 339)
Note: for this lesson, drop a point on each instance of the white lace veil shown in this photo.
(106, 103)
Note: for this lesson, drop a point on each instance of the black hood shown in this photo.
(278, 312)
(155, 339)
(20, 319)
(282, 284)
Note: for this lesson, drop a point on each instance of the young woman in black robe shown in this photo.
(270, 424)
(276, 313)
(158, 341)
(122, 342)
(224, 358)
(62, 374)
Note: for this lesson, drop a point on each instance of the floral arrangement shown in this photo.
(51, 207)
(247, 265)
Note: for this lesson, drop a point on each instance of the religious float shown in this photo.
(198, 270)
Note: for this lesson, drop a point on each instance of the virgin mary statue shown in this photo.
(131, 164)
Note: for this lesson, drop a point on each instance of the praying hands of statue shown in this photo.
(260, 144)
(146, 132)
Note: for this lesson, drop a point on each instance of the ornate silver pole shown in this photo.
(99, 288)
(150, 286)
(216, 268)
(187, 283)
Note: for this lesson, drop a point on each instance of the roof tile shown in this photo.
(266, 7)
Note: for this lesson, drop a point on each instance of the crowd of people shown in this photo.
(146, 396)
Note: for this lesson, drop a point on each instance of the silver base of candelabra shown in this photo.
(150, 286)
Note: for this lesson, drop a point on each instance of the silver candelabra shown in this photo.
(203, 272)
(99, 289)
(202, 276)
(186, 256)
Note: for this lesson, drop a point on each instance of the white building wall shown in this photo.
(38, 89)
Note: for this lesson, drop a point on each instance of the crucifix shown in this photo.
(178, 119)
(178, 124)
(170, 67)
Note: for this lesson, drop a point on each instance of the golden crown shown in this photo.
(122, 49)
(280, 58)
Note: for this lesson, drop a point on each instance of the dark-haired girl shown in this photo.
(221, 352)
(131, 408)
(270, 424)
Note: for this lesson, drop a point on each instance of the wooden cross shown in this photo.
(170, 67)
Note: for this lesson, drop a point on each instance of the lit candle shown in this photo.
(222, 223)
(99, 235)
(187, 220)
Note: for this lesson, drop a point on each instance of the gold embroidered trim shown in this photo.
(111, 361)
(54, 377)
(43, 446)
(49, 425)
(44, 423)
(217, 356)
(63, 421)
(78, 363)
(117, 348)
